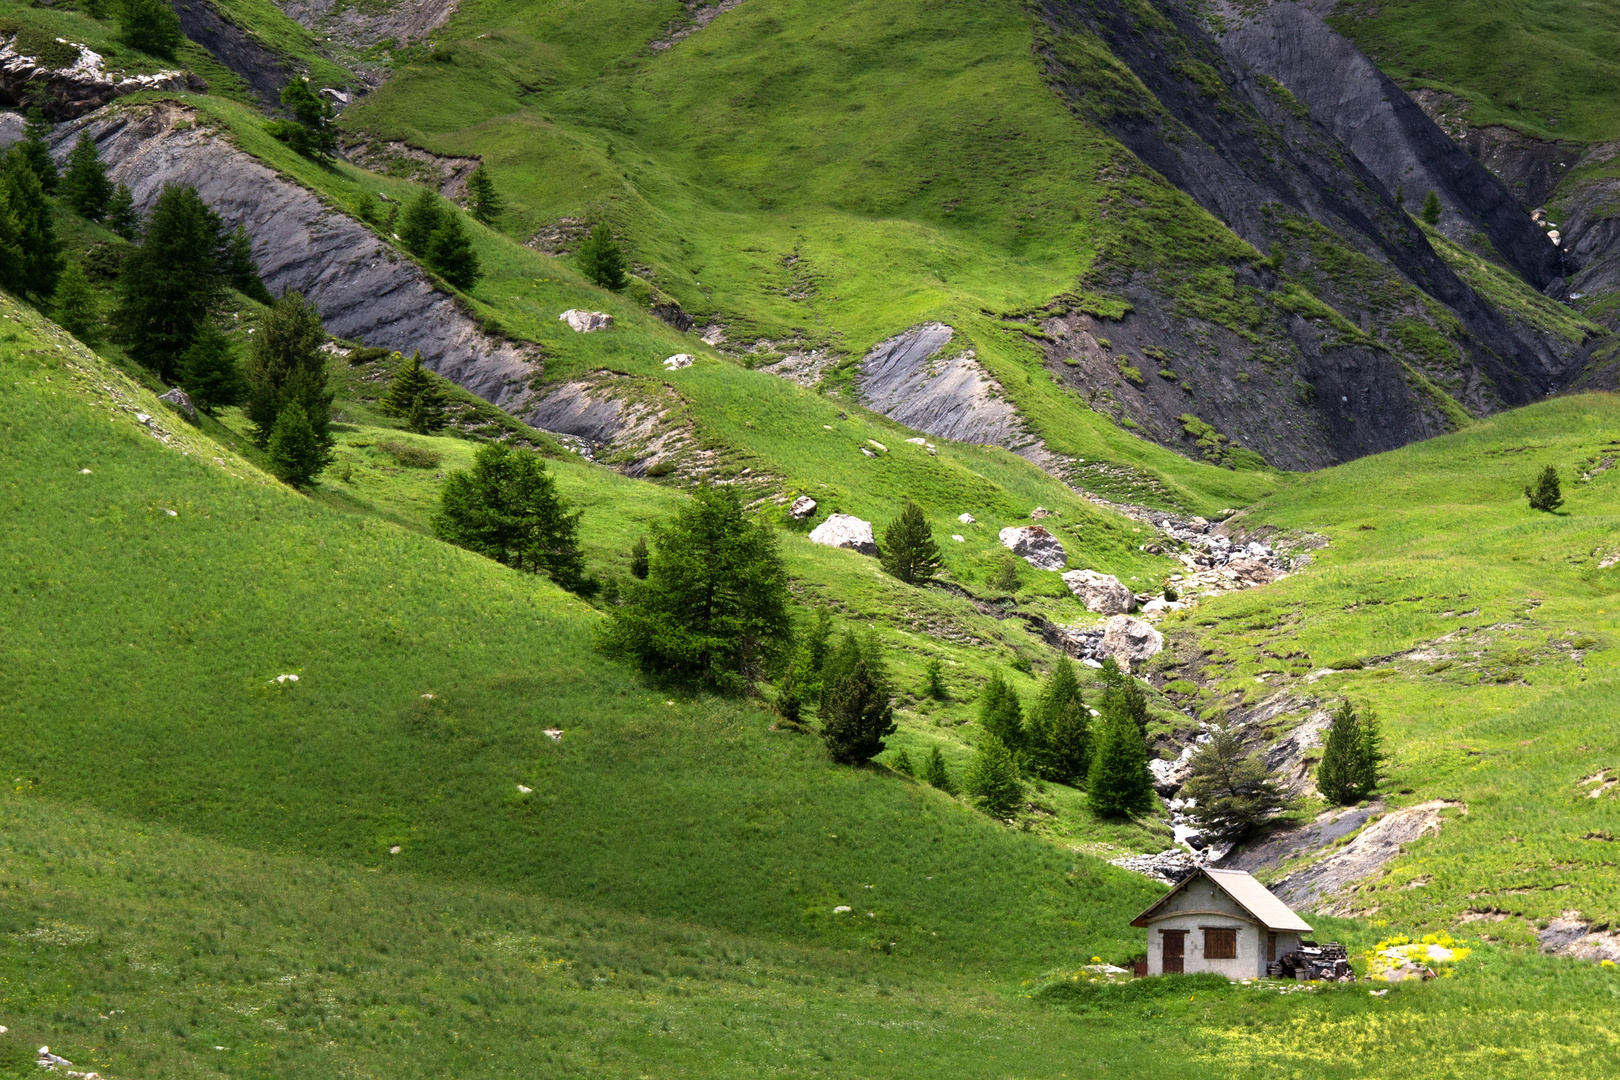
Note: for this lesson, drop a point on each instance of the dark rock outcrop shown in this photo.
(258, 65)
(71, 92)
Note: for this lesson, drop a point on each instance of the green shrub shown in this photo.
(43, 47)
(660, 468)
(1104, 996)
(152, 27)
(415, 457)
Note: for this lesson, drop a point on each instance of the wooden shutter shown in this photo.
(1220, 943)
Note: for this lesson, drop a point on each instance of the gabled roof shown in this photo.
(1246, 892)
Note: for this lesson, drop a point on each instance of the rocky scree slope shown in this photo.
(1251, 355)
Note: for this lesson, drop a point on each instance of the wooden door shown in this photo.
(1175, 951)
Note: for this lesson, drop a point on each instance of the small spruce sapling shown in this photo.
(936, 775)
(1119, 783)
(297, 455)
(909, 551)
(993, 780)
(934, 680)
(1001, 714)
(856, 711)
(1431, 208)
(1546, 493)
(415, 396)
(122, 217)
(638, 559)
(450, 253)
(482, 198)
(209, 372)
(240, 269)
(902, 764)
(85, 185)
(1005, 575)
(74, 305)
(600, 259)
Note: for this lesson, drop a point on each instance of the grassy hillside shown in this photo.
(1547, 67)
(1482, 633)
(196, 874)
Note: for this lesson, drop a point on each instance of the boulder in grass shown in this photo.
(1038, 547)
(1104, 594)
(1130, 641)
(678, 361)
(585, 322)
(802, 508)
(845, 531)
(180, 401)
(966, 519)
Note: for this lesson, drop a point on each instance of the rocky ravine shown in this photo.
(365, 289)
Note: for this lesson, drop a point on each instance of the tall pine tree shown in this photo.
(506, 508)
(601, 260)
(856, 710)
(85, 185)
(169, 282)
(297, 454)
(287, 364)
(1001, 714)
(122, 217)
(35, 273)
(714, 608)
(422, 218)
(34, 151)
(310, 131)
(909, 551)
(1351, 758)
(1058, 728)
(1233, 791)
(1119, 783)
(239, 268)
(450, 253)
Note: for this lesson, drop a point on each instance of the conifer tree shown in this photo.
(1001, 714)
(36, 271)
(909, 551)
(600, 259)
(310, 130)
(1431, 207)
(1235, 794)
(714, 608)
(482, 198)
(85, 185)
(415, 396)
(1119, 783)
(936, 775)
(239, 268)
(122, 217)
(422, 217)
(11, 251)
(993, 780)
(74, 306)
(810, 659)
(902, 764)
(1126, 697)
(209, 373)
(152, 27)
(1546, 493)
(506, 508)
(1058, 745)
(856, 711)
(450, 253)
(297, 454)
(170, 282)
(934, 679)
(34, 151)
(1350, 758)
(286, 364)
(638, 559)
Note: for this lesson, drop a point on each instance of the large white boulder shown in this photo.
(1130, 641)
(845, 531)
(585, 322)
(1038, 547)
(1103, 593)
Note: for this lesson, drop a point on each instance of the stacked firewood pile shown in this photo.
(1326, 962)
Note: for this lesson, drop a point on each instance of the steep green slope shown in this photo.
(1547, 67)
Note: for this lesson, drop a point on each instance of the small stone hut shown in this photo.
(1223, 921)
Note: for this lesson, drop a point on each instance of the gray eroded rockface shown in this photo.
(1385, 128)
(258, 65)
(906, 379)
(365, 290)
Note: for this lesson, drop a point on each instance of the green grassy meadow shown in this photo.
(197, 856)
